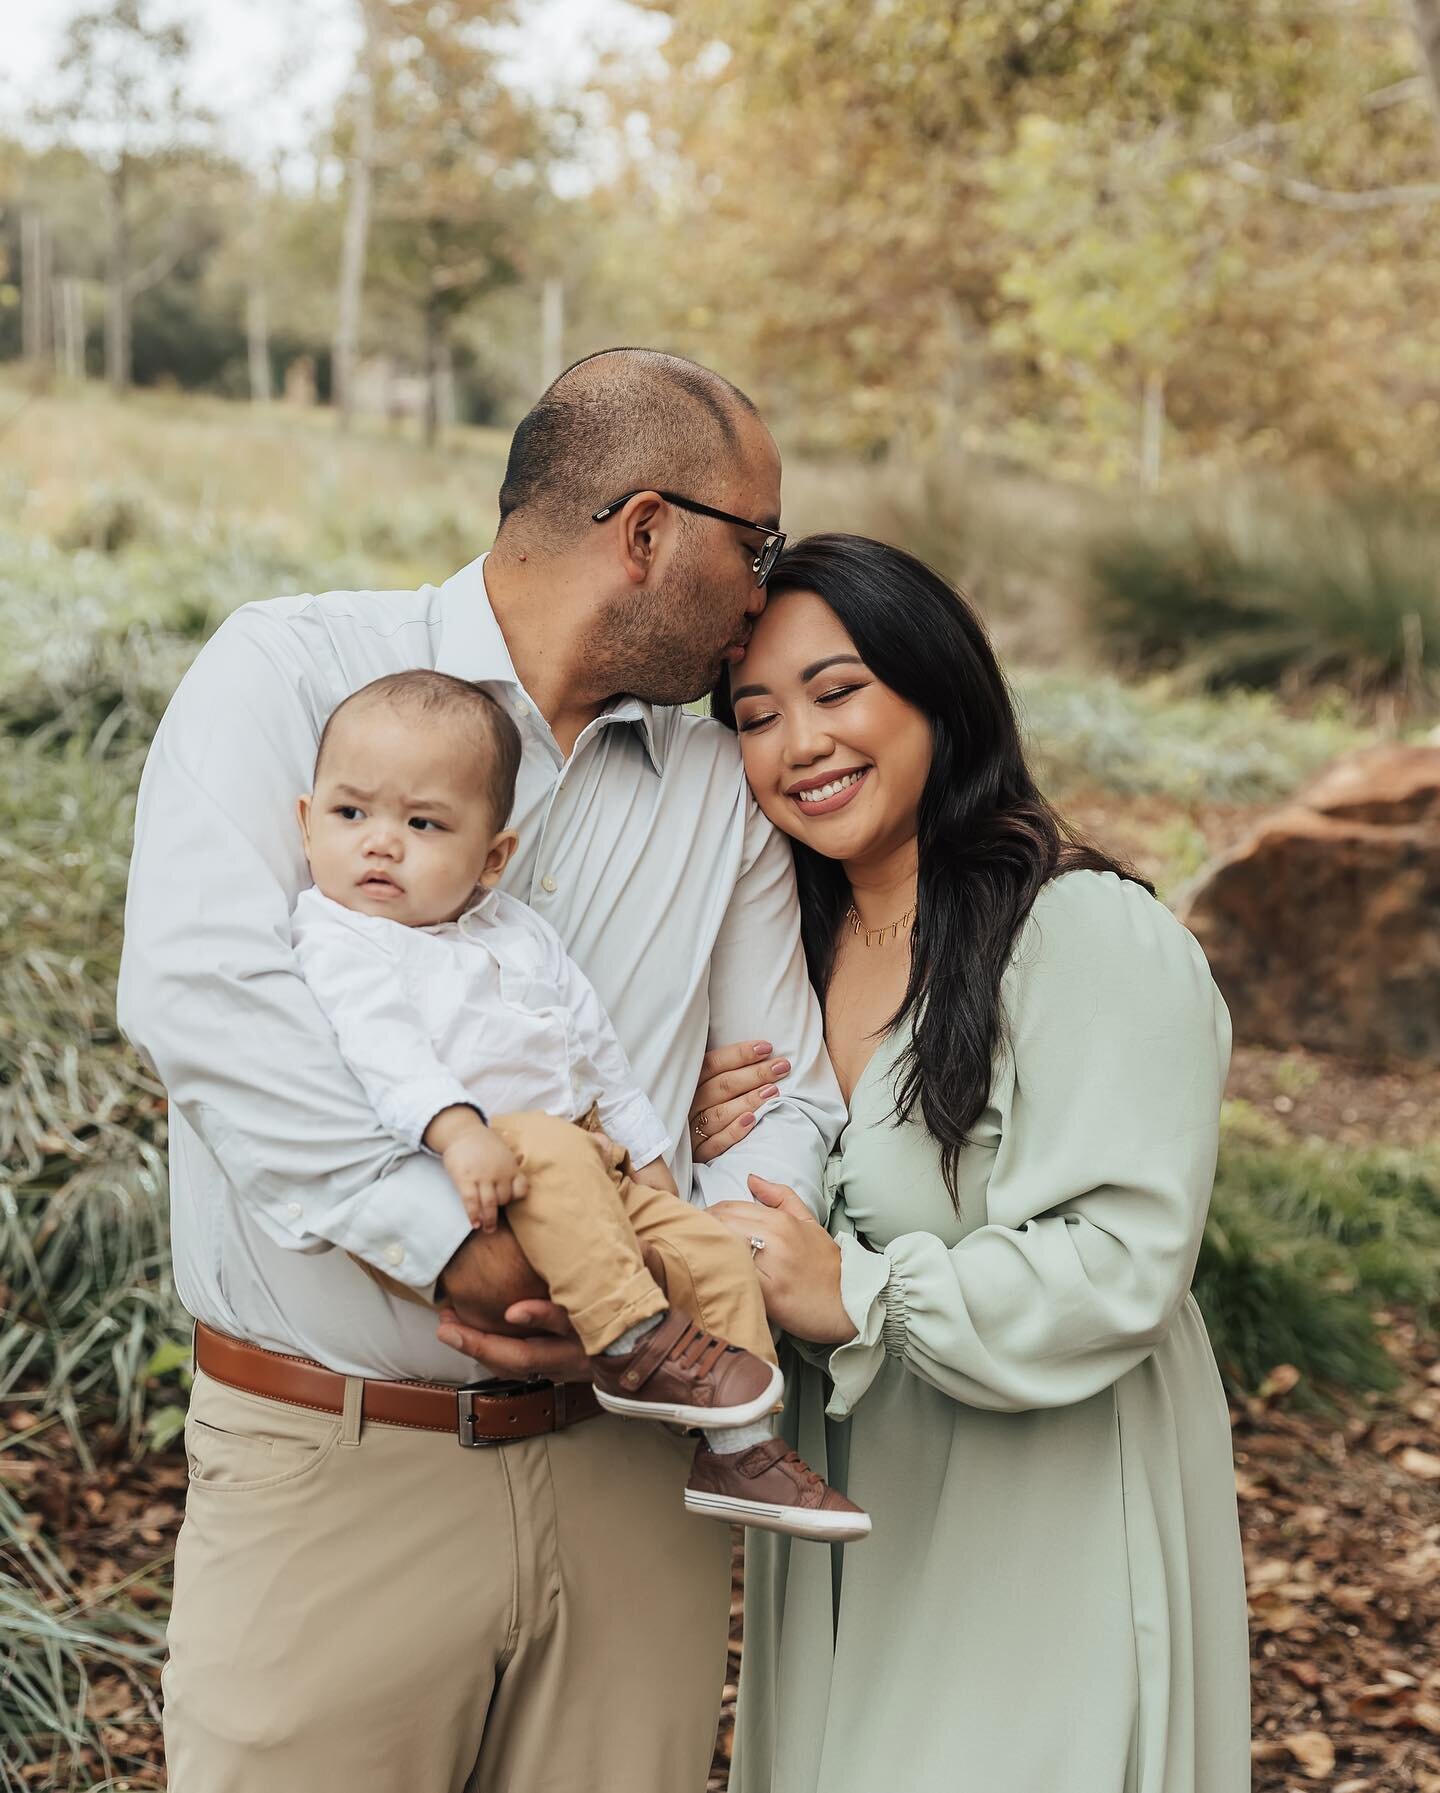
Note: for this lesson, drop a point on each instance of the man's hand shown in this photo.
(482, 1167)
(488, 1274)
(549, 1347)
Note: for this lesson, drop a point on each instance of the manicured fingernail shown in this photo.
(447, 1335)
(747, 1121)
(768, 1091)
(761, 1047)
(781, 1068)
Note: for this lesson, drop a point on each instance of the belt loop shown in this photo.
(351, 1413)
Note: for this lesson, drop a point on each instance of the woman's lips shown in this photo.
(828, 805)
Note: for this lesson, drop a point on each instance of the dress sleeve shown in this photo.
(1109, 1097)
(381, 1034)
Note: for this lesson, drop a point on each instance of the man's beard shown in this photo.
(644, 648)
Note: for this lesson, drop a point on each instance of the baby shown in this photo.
(477, 1038)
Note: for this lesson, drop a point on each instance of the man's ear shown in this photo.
(497, 857)
(302, 816)
(640, 520)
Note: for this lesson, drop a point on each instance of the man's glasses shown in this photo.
(763, 564)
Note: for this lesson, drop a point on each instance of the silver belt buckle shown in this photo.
(465, 1405)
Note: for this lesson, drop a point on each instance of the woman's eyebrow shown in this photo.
(805, 677)
(834, 660)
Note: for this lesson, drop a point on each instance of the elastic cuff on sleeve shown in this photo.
(866, 1279)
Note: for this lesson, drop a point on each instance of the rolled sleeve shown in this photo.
(760, 989)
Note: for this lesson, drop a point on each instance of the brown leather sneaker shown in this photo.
(678, 1372)
(770, 1487)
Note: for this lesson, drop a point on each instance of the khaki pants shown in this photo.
(582, 1225)
(375, 1610)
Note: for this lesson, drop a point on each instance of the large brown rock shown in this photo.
(1323, 928)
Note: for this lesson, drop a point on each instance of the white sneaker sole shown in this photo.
(711, 1418)
(797, 1522)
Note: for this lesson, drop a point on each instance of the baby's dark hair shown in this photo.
(430, 693)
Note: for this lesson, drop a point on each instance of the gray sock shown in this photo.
(632, 1336)
(726, 1440)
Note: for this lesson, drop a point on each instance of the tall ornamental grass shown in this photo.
(1264, 586)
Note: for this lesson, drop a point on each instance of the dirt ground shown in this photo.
(1340, 1514)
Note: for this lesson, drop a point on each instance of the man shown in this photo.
(360, 1604)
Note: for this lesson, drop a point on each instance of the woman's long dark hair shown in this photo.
(988, 840)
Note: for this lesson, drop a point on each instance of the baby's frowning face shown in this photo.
(401, 821)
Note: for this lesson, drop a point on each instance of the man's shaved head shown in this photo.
(620, 421)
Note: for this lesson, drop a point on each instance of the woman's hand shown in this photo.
(734, 1081)
(799, 1263)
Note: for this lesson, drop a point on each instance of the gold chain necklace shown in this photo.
(874, 936)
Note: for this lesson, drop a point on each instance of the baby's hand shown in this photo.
(483, 1168)
(656, 1175)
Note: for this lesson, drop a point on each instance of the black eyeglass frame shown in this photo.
(763, 564)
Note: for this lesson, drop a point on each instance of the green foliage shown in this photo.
(1139, 740)
(52, 1646)
(1253, 586)
(1303, 1243)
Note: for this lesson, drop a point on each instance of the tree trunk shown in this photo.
(257, 341)
(437, 368)
(1425, 16)
(552, 330)
(34, 286)
(70, 329)
(1152, 429)
(117, 284)
(357, 231)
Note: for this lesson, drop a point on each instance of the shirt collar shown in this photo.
(472, 647)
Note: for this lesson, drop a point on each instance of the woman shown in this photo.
(1005, 1364)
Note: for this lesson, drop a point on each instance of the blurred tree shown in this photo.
(460, 166)
(122, 97)
(944, 221)
(359, 124)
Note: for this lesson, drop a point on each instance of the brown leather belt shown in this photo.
(479, 1413)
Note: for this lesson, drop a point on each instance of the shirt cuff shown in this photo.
(409, 1107)
(409, 1224)
(873, 1295)
(634, 1124)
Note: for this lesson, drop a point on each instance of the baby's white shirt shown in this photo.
(489, 1010)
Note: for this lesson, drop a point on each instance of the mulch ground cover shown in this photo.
(1340, 1512)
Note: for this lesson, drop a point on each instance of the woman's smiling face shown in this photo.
(834, 757)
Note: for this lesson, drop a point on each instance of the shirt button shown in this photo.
(294, 1210)
(548, 885)
(522, 710)
(394, 1254)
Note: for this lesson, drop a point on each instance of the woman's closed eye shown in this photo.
(829, 698)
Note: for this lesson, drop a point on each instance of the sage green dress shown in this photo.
(1052, 1599)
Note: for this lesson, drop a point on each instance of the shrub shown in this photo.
(108, 520)
(1152, 739)
(1303, 1242)
(1263, 587)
